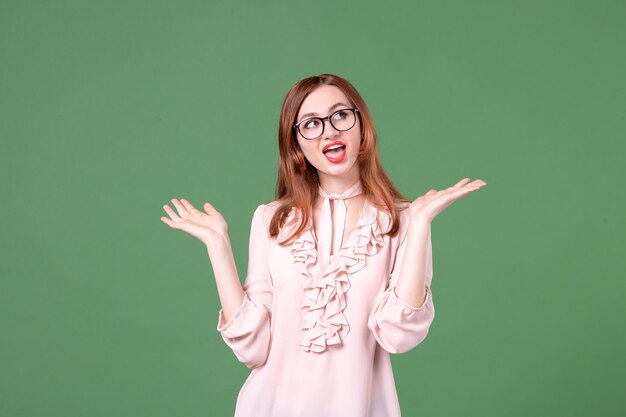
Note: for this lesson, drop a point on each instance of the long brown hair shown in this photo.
(298, 180)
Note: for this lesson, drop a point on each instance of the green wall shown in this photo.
(109, 109)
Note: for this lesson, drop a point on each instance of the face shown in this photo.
(322, 102)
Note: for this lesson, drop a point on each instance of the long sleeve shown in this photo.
(398, 326)
(248, 332)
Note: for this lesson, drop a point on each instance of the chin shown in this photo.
(337, 170)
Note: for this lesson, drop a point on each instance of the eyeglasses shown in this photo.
(313, 127)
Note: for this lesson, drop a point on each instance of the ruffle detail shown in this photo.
(324, 299)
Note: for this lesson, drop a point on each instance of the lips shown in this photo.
(337, 142)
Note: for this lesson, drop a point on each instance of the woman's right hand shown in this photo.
(208, 226)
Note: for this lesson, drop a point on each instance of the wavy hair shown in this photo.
(298, 181)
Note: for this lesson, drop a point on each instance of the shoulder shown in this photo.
(381, 219)
(401, 211)
(271, 205)
(264, 212)
(269, 208)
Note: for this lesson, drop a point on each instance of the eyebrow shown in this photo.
(329, 109)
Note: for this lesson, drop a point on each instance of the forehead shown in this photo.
(320, 99)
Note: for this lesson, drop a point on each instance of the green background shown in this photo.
(109, 109)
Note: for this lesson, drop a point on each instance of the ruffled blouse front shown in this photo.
(318, 339)
(325, 294)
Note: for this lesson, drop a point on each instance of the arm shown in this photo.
(244, 320)
(402, 316)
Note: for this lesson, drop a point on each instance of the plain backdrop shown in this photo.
(108, 109)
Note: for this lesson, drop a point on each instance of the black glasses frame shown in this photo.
(296, 127)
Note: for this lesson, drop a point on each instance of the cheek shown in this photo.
(308, 149)
(356, 142)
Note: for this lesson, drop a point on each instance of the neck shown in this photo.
(337, 185)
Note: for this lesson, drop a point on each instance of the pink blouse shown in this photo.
(319, 344)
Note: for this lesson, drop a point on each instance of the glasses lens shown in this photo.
(343, 119)
(311, 128)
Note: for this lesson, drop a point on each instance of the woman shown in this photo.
(340, 266)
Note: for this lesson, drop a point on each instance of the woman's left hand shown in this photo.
(429, 205)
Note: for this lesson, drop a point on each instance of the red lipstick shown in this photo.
(335, 155)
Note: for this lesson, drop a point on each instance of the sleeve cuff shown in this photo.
(221, 325)
(398, 301)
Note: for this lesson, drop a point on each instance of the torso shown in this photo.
(354, 207)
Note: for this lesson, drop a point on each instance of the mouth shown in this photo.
(336, 145)
(335, 152)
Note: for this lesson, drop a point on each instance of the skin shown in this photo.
(422, 211)
(334, 178)
(210, 227)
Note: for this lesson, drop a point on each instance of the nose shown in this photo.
(329, 129)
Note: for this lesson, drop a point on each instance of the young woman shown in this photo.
(340, 266)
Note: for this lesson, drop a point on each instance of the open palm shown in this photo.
(206, 226)
(429, 205)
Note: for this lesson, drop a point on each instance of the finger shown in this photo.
(209, 208)
(169, 223)
(463, 191)
(452, 194)
(449, 196)
(476, 184)
(460, 183)
(464, 181)
(182, 211)
(188, 206)
(436, 194)
(172, 213)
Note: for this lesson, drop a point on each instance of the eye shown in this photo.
(341, 114)
(311, 124)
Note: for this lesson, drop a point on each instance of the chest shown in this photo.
(354, 210)
(363, 267)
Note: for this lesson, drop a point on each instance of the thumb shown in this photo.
(209, 209)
